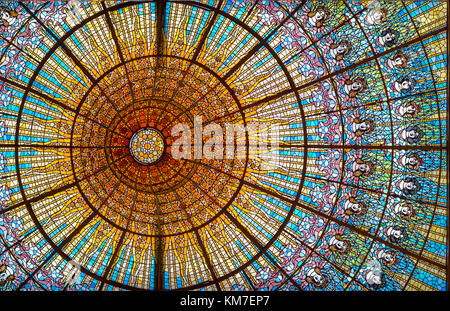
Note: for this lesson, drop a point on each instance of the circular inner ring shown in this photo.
(147, 146)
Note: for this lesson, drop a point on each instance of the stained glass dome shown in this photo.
(350, 196)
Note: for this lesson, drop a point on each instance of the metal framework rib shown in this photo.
(200, 243)
(441, 154)
(261, 44)
(78, 63)
(197, 51)
(331, 75)
(113, 32)
(326, 216)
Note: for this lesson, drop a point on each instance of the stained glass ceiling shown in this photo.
(91, 197)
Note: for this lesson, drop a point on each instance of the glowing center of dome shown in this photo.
(147, 146)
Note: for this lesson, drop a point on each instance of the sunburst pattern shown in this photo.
(90, 92)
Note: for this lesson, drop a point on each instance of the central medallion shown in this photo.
(147, 146)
